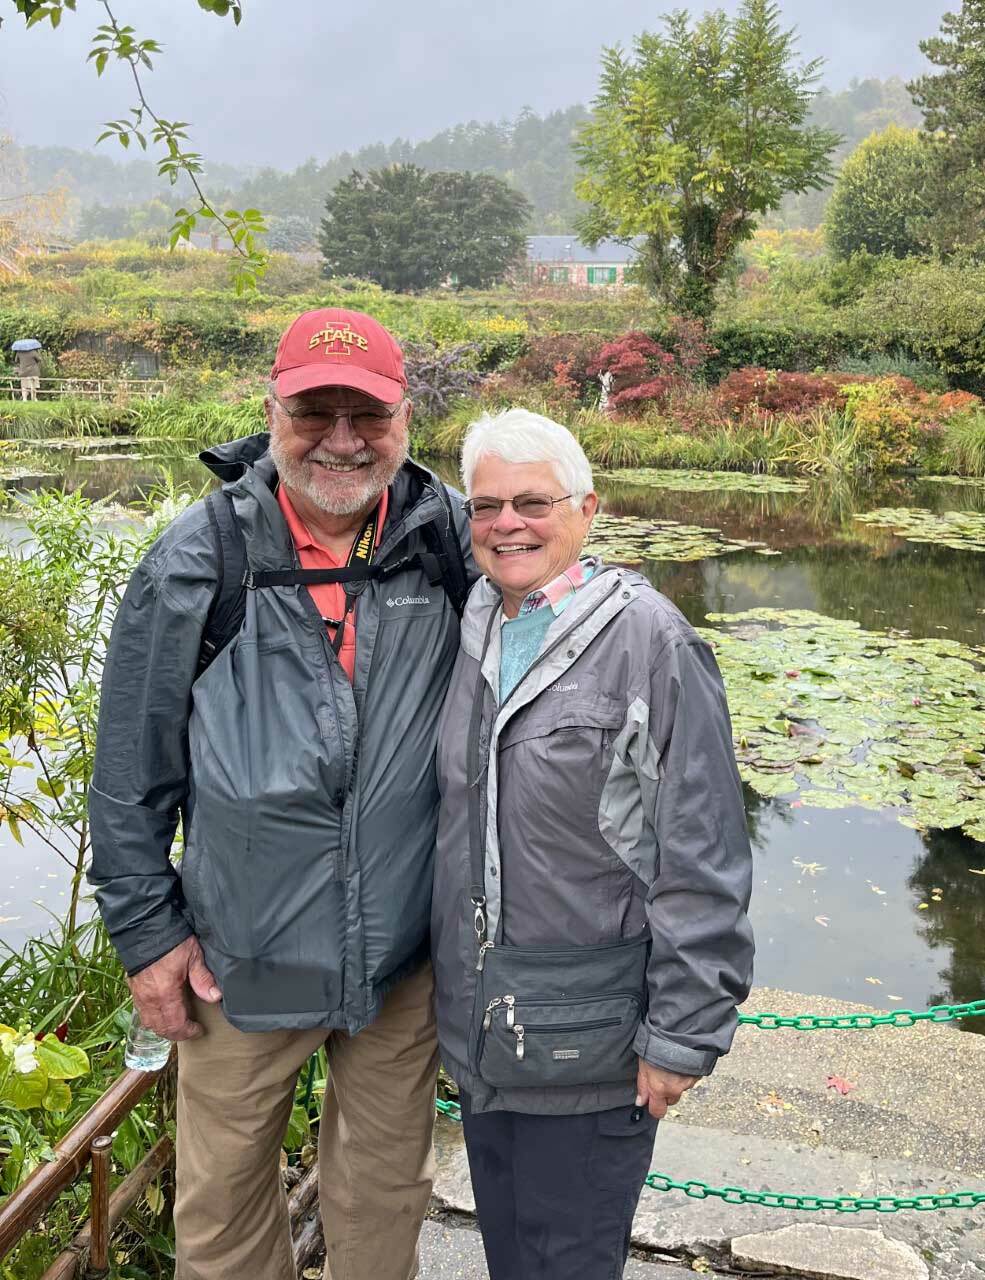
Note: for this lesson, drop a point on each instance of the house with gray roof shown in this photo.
(565, 260)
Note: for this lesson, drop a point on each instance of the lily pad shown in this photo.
(977, 482)
(856, 717)
(633, 539)
(685, 481)
(960, 530)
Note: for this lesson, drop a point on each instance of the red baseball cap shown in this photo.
(332, 347)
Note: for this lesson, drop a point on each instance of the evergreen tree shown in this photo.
(953, 105)
(408, 229)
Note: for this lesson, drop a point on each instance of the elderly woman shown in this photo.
(589, 925)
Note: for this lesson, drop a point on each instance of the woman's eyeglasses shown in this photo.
(528, 506)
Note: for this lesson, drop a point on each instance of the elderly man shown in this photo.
(299, 754)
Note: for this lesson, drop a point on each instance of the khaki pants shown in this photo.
(235, 1092)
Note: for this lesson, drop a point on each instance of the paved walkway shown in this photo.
(767, 1119)
(455, 1253)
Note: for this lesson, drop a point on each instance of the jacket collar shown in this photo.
(485, 597)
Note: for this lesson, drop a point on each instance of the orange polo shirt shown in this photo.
(329, 597)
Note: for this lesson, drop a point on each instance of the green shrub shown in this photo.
(782, 345)
(920, 372)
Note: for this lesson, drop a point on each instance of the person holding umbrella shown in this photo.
(27, 360)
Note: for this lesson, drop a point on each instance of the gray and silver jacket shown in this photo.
(610, 809)
(309, 803)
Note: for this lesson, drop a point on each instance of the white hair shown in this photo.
(517, 435)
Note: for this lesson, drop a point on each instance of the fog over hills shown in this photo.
(302, 78)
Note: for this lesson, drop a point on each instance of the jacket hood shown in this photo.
(228, 461)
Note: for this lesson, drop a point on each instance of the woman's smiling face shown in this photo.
(517, 553)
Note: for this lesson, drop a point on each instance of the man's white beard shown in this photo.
(340, 494)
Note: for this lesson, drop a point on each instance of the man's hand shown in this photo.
(160, 992)
(657, 1090)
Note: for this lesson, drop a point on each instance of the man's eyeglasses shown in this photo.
(528, 506)
(364, 421)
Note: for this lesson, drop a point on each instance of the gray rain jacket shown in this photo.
(611, 810)
(309, 803)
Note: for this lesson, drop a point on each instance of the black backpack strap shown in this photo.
(443, 563)
(445, 547)
(228, 607)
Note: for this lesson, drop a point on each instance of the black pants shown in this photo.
(555, 1195)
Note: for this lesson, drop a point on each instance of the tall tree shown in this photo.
(953, 105)
(409, 229)
(696, 133)
(882, 196)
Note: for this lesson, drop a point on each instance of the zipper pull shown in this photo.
(486, 946)
(487, 1019)
(518, 1032)
(510, 1002)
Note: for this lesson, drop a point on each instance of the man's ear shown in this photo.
(590, 505)
(268, 412)
(409, 412)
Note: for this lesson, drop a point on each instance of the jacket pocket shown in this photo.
(582, 1040)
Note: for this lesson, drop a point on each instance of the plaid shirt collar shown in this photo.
(559, 592)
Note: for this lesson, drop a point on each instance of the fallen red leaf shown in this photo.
(840, 1083)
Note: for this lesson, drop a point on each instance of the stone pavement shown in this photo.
(913, 1121)
(455, 1253)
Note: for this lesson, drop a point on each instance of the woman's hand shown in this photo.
(657, 1090)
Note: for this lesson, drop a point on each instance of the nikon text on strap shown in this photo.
(442, 563)
(358, 569)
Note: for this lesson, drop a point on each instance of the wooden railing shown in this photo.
(90, 1143)
(100, 389)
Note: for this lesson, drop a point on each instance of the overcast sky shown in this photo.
(304, 78)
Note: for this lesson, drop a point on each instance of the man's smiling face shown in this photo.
(342, 464)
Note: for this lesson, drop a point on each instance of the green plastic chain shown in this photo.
(863, 1021)
(785, 1200)
(814, 1204)
(810, 1204)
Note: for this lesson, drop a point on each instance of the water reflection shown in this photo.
(837, 902)
(954, 917)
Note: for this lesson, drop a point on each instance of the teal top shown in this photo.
(521, 640)
(522, 637)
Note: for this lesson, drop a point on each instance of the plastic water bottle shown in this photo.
(146, 1050)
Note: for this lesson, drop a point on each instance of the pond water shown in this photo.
(849, 902)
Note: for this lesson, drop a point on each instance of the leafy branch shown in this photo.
(115, 42)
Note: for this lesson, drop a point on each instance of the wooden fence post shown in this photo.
(99, 1209)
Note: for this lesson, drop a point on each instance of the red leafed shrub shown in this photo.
(754, 391)
(955, 402)
(540, 364)
(687, 338)
(642, 371)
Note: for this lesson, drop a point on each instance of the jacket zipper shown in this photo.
(520, 1031)
(509, 1003)
(558, 951)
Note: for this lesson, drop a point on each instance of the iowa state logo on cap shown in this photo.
(338, 342)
